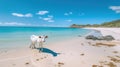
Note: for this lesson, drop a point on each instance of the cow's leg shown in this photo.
(41, 46)
(32, 45)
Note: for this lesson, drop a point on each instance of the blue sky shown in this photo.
(57, 13)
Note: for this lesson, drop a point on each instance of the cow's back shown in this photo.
(34, 38)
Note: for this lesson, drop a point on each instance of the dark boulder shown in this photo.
(100, 38)
(109, 38)
(91, 37)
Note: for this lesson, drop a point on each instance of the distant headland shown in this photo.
(115, 23)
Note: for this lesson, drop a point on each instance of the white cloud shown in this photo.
(48, 19)
(17, 14)
(12, 24)
(69, 20)
(115, 8)
(22, 15)
(51, 21)
(69, 13)
(28, 15)
(42, 12)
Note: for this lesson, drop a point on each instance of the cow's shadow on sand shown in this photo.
(46, 50)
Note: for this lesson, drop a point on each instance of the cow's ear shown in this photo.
(39, 36)
(46, 36)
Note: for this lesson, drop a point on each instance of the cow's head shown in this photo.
(43, 38)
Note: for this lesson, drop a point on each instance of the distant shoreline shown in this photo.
(112, 24)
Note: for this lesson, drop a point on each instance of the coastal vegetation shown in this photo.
(115, 23)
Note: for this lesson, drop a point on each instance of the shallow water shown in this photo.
(20, 36)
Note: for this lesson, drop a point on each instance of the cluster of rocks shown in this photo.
(92, 37)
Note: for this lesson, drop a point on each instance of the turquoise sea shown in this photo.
(11, 37)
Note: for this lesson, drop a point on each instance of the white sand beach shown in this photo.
(76, 52)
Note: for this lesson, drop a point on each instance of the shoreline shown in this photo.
(74, 52)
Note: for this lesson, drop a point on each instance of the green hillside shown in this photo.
(115, 23)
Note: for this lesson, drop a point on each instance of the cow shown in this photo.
(37, 39)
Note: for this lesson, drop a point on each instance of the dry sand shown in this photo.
(76, 52)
